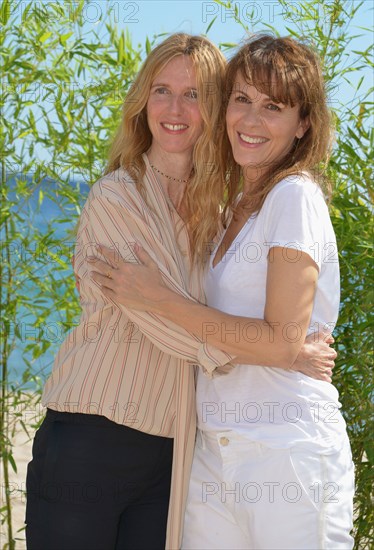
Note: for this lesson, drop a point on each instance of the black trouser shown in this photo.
(96, 485)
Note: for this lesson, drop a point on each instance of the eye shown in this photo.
(192, 94)
(273, 107)
(161, 90)
(241, 99)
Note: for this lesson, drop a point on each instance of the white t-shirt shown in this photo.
(276, 407)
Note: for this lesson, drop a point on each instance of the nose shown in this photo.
(252, 115)
(176, 104)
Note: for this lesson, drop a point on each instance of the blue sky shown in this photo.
(152, 17)
(148, 17)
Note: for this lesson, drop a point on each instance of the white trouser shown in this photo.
(245, 495)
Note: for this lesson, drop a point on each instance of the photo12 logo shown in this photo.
(260, 12)
(246, 12)
(269, 412)
(269, 492)
(92, 12)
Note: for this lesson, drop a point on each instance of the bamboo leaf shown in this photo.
(209, 26)
(5, 12)
(65, 37)
(45, 37)
(147, 46)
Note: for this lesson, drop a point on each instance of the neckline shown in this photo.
(177, 224)
(223, 260)
(162, 190)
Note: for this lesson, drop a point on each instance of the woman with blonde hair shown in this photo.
(272, 466)
(120, 423)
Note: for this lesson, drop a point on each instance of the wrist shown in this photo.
(163, 304)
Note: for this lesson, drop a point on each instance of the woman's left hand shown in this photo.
(316, 358)
(137, 286)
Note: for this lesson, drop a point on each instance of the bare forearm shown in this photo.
(251, 340)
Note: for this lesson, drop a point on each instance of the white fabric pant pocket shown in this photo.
(245, 495)
(307, 477)
(274, 507)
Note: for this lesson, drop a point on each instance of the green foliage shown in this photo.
(352, 219)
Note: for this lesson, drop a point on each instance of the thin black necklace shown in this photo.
(168, 177)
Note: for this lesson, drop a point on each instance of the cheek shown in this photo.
(151, 125)
(154, 108)
(294, 133)
(149, 112)
(197, 118)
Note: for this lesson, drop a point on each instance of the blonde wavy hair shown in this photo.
(204, 191)
(288, 72)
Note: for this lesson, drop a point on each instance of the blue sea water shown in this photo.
(41, 214)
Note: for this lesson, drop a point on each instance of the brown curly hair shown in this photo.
(288, 72)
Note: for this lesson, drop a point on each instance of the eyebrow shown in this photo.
(166, 84)
(239, 91)
(161, 84)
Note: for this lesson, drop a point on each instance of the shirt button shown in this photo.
(224, 441)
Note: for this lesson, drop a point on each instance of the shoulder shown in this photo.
(116, 185)
(294, 191)
(301, 184)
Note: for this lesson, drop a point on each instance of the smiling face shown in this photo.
(261, 131)
(173, 113)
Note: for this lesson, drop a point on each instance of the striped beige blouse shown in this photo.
(133, 367)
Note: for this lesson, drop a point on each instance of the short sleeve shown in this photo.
(295, 217)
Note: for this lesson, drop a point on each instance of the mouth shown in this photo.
(252, 140)
(174, 127)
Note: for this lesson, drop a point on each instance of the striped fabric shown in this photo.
(133, 367)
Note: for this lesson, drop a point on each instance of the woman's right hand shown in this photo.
(316, 358)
